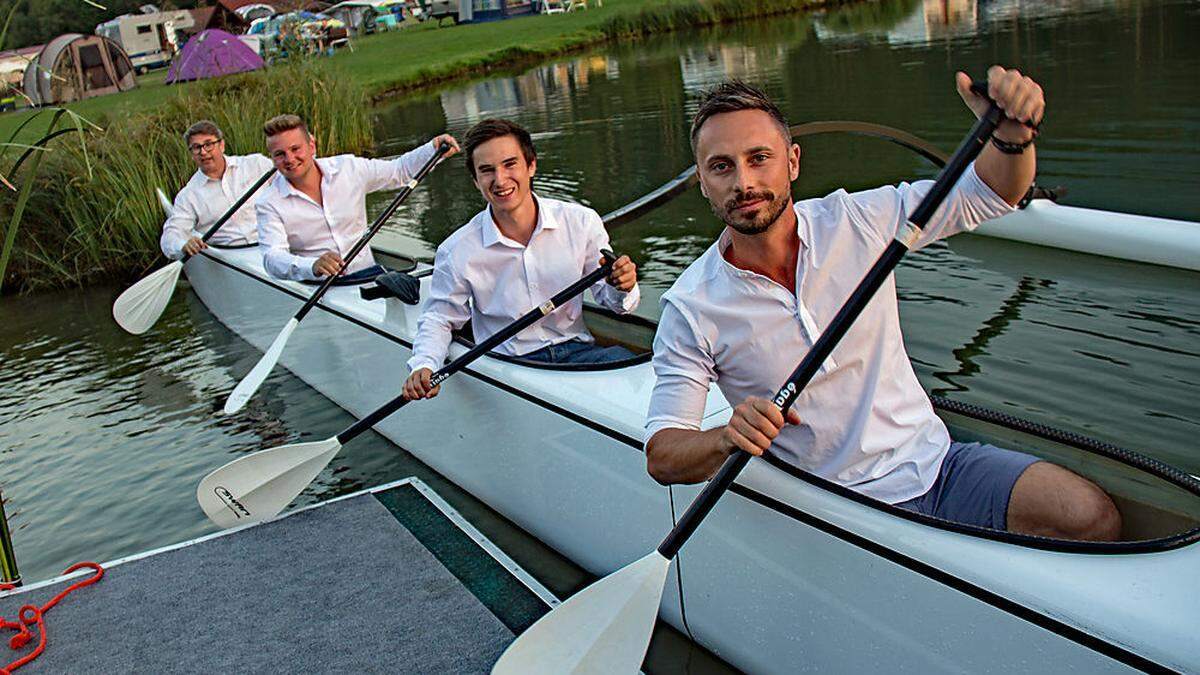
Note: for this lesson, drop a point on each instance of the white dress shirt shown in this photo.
(482, 275)
(204, 200)
(866, 422)
(293, 230)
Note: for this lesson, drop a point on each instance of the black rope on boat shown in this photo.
(1128, 457)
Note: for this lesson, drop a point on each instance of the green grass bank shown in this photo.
(93, 214)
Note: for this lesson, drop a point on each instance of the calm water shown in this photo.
(103, 436)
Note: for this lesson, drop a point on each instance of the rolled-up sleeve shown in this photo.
(445, 311)
(179, 227)
(393, 174)
(606, 294)
(969, 203)
(684, 370)
(273, 244)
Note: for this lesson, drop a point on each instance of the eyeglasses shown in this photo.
(198, 148)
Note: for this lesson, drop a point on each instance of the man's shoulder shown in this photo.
(569, 212)
(462, 242)
(689, 287)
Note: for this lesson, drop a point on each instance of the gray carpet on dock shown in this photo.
(342, 588)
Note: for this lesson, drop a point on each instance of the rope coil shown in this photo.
(32, 615)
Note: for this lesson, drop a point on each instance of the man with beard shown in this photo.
(745, 313)
(514, 255)
(315, 209)
(219, 181)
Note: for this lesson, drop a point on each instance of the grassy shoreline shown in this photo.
(91, 221)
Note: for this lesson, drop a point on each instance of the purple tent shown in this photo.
(212, 53)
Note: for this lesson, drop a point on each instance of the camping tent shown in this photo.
(73, 66)
(210, 54)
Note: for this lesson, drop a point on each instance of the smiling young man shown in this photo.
(513, 256)
(219, 181)
(314, 211)
(746, 312)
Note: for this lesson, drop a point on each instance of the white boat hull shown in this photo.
(784, 575)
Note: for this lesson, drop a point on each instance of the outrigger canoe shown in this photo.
(790, 572)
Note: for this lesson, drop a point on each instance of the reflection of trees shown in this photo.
(994, 327)
(866, 17)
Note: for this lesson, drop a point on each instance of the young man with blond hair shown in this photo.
(314, 211)
(219, 181)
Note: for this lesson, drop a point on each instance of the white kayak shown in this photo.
(789, 572)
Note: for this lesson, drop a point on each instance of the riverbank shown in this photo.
(87, 226)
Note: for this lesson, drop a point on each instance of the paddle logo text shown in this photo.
(782, 396)
(231, 502)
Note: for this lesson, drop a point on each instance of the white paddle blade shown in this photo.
(258, 486)
(605, 628)
(254, 379)
(168, 207)
(141, 304)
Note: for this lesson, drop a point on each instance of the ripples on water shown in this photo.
(103, 436)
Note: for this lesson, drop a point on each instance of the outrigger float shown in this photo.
(792, 572)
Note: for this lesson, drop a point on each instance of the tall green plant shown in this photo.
(105, 222)
(35, 150)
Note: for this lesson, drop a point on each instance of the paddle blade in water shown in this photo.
(258, 486)
(605, 628)
(141, 304)
(254, 379)
(168, 207)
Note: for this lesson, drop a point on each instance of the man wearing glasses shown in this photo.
(218, 182)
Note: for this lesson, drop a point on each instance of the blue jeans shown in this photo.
(578, 351)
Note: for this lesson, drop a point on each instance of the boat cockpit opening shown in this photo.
(633, 332)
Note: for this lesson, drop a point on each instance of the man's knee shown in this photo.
(1049, 500)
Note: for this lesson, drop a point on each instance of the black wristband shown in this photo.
(1012, 148)
(1018, 148)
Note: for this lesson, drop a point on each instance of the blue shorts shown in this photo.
(578, 351)
(973, 485)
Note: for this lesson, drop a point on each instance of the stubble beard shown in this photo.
(762, 221)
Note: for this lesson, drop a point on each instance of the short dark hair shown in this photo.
(202, 127)
(733, 96)
(281, 123)
(494, 128)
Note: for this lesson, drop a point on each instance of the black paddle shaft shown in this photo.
(375, 226)
(823, 347)
(233, 209)
(533, 316)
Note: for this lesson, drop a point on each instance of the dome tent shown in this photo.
(212, 53)
(72, 67)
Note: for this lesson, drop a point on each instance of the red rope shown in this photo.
(30, 615)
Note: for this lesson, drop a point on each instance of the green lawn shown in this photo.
(421, 54)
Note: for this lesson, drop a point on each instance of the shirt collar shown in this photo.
(201, 178)
(547, 220)
(724, 240)
(329, 167)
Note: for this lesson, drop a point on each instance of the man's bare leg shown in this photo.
(1050, 501)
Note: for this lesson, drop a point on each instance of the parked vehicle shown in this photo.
(148, 39)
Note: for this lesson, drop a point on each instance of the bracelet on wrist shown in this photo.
(1010, 148)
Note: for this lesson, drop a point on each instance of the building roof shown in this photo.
(26, 52)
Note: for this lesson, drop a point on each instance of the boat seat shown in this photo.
(399, 285)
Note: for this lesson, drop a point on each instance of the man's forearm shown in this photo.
(1008, 175)
(685, 456)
